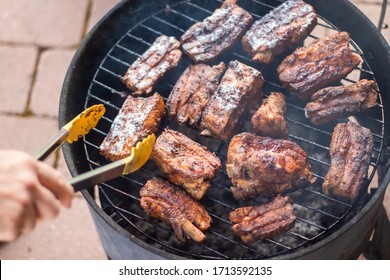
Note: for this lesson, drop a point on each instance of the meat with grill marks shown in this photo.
(333, 103)
(350, 154)
(185, 162)
(266, 167)
(279, 30)
(192, 92)
(238, 92)
(163, 55)
(137, 118)
(253, 223)
(206, 40)
(269, 119)
(322, 63)
(171, 204)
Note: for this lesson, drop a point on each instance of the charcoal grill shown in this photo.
(326, 227)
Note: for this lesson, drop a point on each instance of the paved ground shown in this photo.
(37, 41)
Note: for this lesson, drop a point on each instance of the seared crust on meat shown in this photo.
(350, 154)
(192, 92)
(262, 166)
(333, 103)
(186, 162)
(279, 30)
(137, 118)
(163, 55)
(324, 62)
(269, 119)
(169, 203)
(263, 221)
(240, 88)
(206, 40)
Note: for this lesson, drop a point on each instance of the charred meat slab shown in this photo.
(350, 154)
(279, 30)
(171, 204)
(262, 166)
(324, 62)
(253, 223)
(333, 103)
(192, 92)
(137, 118)
(269, 119)
(163, 55)
(185, 162)
(239, 89)
(206, 40)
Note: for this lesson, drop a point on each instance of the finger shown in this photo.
(16, 195)
(53, 180)
(15, 219)
(46, 204)
(30, 217)
(11, 213)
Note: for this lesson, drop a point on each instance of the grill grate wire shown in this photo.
(317, 214)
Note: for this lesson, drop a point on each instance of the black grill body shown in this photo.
(327, 228)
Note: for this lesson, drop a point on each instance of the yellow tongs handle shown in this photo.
(139, 156)
(73, 130)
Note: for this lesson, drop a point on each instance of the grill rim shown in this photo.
(70, 152)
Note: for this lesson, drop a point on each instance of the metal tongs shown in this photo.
(73, 130)
(139, 156)
(79, 127)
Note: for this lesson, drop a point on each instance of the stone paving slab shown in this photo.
(99, 9)
(71, 236)
(42, 22)
(17, 65)
(52, 68)
(372, 9)
(27, 134)
(373, 13)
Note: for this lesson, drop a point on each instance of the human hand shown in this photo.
(30, 191)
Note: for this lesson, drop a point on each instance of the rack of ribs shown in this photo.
(333, 103)
(322, 63)
(279, 30)
(137, 118)
(240, 88)
(163, 55)
(269, 119)
(350, 153)
(206, 40)
(185, 162)
(263, 166)
(253, 223)
(192, 92)
(171, 204)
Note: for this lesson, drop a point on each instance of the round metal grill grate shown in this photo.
(317, 214)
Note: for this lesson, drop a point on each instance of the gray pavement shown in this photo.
(37, 41)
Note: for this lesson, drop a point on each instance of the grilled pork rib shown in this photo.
(350, 154)
(163, 55)
(192, 92)
(169, 203)
(263, 221)
(137, 118)
(240, 88)
(324, 62)
(186, 162)
(333, 103)
(269, 119)
(262, 166)
(206, 40)
(279, 30)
